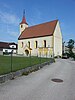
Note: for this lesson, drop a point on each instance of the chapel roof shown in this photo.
(41, 30)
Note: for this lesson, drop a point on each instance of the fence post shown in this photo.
(46, 56)
(11, 59)
(30, 58)
(40, 57)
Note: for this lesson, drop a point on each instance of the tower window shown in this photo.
(44, 43)
(21, 26)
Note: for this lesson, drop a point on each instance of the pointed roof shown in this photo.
(41, 30)
(24, 19)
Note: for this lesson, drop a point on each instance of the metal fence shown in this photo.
(10, 63)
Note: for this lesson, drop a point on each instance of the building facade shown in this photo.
(43, 40)
(7, 48)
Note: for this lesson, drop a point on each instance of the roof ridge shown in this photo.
(42, 23)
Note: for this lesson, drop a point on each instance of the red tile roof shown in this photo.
(6, 44)
(41, 30)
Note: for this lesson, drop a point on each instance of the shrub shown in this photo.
(25, 73)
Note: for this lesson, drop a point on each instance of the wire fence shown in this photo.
(13, 63)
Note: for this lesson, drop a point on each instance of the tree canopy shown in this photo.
(70, 47)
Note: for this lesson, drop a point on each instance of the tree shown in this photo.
(71, 46)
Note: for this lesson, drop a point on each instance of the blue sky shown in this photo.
(37, 11)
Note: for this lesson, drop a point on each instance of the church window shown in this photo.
(44, 43)
(28, 44)
(36, 44)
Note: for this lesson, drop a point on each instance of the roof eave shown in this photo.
(34, 37)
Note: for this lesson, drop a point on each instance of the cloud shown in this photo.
(9, 18)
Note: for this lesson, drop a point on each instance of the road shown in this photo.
(39, 86)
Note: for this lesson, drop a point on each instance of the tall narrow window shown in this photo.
(21, 26)
(36, 44)
(44, 43)
(28, 44)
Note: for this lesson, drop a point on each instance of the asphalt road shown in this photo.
(39, 86)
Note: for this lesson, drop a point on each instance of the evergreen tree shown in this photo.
(71, 46)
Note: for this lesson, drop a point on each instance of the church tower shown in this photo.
(23, 24)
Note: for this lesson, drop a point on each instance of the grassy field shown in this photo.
(17, 63)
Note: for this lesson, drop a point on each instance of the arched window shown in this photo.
(21, 26)
(28, 44)
(36, 44)
(44, 43)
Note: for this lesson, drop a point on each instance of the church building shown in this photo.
(43, 40)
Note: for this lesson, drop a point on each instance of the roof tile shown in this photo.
(41, 30)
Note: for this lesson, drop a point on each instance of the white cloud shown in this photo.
(9, 18)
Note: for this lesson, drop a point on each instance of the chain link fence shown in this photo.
(10, 63)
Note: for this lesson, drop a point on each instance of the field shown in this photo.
(8, 63)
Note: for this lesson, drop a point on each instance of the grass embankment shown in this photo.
(18, 63)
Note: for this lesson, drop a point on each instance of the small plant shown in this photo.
(36, 69)
(25, 73)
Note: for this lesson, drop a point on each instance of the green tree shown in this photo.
(71, 46)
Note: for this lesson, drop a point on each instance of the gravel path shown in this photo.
(39, 86)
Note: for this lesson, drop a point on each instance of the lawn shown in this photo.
(7, 65)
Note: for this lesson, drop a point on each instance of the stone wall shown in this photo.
(12, 75)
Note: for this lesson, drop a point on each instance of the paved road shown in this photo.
(38, 85)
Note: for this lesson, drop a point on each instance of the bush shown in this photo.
(25, 73)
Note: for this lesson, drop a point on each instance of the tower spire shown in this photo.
(23, 19)
(24, 13)
(23, 24)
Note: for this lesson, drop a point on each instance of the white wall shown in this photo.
(57, 41)
(21, 50)
(9, 50)
(12, 46)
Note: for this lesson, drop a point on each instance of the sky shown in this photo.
(36, 12)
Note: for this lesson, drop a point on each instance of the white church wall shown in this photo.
(34, 52)
(57, 41)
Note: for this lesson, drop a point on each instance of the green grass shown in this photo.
(18, 63)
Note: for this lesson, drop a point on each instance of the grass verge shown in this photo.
(18, 63)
